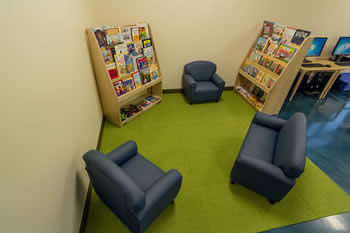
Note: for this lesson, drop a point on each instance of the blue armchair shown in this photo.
(201, 83)
(272, 155)
(135, 189)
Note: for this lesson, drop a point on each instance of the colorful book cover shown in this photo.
(148, 53)
(154, 72)
(279, 70)
(151, 99)
(113, 35)
(260, 75)
(288, 35)
(274, 66)
(138, 48)
(129, 64)
(119, 59)
(145, 75)
(137, 79)
(278, 30)
(128, 84)
(134, 60)
(135, 33)
(120, 49)
(300, 36)
(147, 43)
(107, 56)
(272, 49)
(142, 33)
(119, 88)
(267, 63)
(141, 63)
(264, 79)
(267, 29)
(245, 65)
(113, 73)
(100, 36)
(131, 49)
(262, 61)
(126, 32)
(260, 44)
(270, 83)
(285, 53)
(250, 69)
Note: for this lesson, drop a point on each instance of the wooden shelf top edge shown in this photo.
(247, 100)
(142, 111)
(139, 89)
(254, 81)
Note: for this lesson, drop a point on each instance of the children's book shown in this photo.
(151, 99)
(129, 64)
(131, 49)
(113, 73)
(270, 83)
(254, 72)
(272, 49)
(135, 33)
(113, 35)
(137, 79)
(154, 72)
(264, 79)
(128, 84)
(267, 63)
(285, 53)
(300, 36)
(278, 30)
(279, 70)
(260, 75)
(267, 29)
(141, 63)
(100, 36)
(142, 33)
(120, 49)
(274, 66)
(245, 65)
(260, 44)
(119, 88)
(147, 43)
(119, 59)
(126, 32)
(262, 61)
(148, 53)
(287, 36)
(134, 60)
(107, 56)
(250, 69)
(138, 48)
(145, 75)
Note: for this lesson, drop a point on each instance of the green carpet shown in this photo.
(202, 142)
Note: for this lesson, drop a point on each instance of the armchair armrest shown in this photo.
(267, 170)
(123, 153)
(269, 121)
(218, 81)
(161, 194)
(188, 81)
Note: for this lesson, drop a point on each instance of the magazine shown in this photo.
(129, 64)
(119, 88)
(107, 56)
(135, 33)
(126, 32)
(148, 53)
(278, 30)
(300, 36)
(100, 36)
(154, 72)
(113, 35)
(285, 53)
(120, 61)
(272, 48)
(267, 29)
(287, 36)
(141, 63)
(120, 49)
(128, 84)
(260, 44)
(137, 79)
(138, 48)
(145, 75)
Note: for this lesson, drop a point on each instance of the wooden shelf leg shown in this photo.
(297, 85)
(329, 84)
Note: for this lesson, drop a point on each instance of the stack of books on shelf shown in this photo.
(252, 93)
(133, 109)
(129, 56)
(274, 49)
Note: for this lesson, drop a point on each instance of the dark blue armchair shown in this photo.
(135, 189)
(272, 155)
(201, 83)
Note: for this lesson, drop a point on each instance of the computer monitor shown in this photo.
(316, 47)
(342, 47)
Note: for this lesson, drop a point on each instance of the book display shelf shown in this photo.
(126, 69)
(271, 65)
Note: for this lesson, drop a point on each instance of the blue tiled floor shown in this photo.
(328, 147)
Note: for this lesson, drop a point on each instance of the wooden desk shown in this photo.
(333, 68)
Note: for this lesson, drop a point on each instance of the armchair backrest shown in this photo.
(290, 150)
(112, 184)
(200, 70)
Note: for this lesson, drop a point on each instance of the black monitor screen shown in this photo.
(342, 47)
(316, 46)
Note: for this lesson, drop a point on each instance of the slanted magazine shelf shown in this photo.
(126, 69)
(271, 65)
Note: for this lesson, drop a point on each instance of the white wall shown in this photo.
(219, 30)
(50, 115)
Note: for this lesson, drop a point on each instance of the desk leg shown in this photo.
(329, 84)
(297, 85)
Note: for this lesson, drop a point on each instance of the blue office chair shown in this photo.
(201, 83)
(135, 189)
(272, 155)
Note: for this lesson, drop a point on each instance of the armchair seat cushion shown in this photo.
(142, 172)
(206, 89)
(260, 143)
